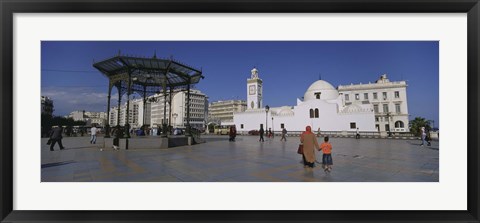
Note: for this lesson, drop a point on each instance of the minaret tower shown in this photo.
(254, 91)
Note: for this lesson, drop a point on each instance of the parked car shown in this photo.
(253, 132)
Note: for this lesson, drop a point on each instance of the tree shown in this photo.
(417, 123)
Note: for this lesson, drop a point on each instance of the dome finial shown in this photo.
(254, 72)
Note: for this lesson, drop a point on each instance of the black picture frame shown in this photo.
(9, 7)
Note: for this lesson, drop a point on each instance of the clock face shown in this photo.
(251, 89)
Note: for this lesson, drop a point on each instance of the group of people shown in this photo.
(308, 140)
(270, 134)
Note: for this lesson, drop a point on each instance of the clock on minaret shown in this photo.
(251, 89)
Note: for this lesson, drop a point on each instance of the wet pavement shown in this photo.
(246, 160)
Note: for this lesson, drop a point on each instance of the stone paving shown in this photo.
(246, 160)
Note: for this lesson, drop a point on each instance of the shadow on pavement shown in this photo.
(57, 164)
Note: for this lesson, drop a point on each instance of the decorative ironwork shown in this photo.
(146, 77)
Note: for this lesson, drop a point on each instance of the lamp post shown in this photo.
(266, 117)
(273, 130)
(175, 115)
(389, 127)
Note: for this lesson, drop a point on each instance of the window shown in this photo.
(384, 95)
(397, 108)
(376, 119)
(316, 112)
(347, 98)
(387, 127)
(311, 113)
(353, 125)
(365, 96)
(399, 124)
(377, 127)
(241, 126)
(317, 95)
(282, 125)
(357, 97)
(385, 108)
(397, 94)
(375, 96)
(375, 108)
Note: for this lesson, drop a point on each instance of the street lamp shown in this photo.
(273, 130)
(175, 115)
(266, 117)
(389, 127)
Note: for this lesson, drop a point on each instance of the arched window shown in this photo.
(316, 112)
(311, 113)
(399, 124)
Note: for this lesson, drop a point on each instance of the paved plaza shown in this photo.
(246, 160)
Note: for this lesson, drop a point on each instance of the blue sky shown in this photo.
(286, 67)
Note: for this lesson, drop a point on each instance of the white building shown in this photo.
(389, 100)
(136, 114)
(178, 116)
(322, 107)
(154, 111)
(98, 118)
(224, 110)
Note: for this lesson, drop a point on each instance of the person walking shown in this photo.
(56, 136)
(261, 132)
(423, 135)
(357, 136)
(93, 133)
(327, 161)
(284, 134)
(428, 138)
(309, 142)
(232, 134)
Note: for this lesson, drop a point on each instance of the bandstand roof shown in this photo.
(151, 73)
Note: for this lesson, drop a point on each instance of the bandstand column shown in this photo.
(107, 125)
(188, 132)
(164, 122)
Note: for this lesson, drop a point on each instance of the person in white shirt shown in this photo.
(93, 133)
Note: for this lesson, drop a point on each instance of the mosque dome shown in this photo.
(285, 111)
(322, 88)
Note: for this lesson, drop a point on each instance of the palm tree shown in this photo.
(417, 123)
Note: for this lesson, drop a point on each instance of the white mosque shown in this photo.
(322, 107)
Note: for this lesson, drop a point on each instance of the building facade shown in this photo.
(96, 118)
(46, 105)
(137, 117)
(175, 114)
(389, 101)
(224, 110)
(321, 108)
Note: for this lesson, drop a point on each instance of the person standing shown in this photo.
(116, 138)
(357, 136)
(261, 132)
(93, 133)
(56, 136)
(309, 142)
(318, 132)
(284, 134)
(327, 161)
